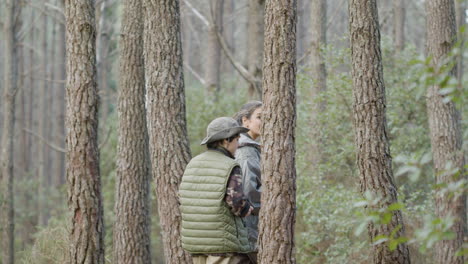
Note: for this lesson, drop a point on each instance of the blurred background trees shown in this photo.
(218, 80)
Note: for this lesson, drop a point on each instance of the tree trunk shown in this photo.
(9, 94)
(213, 57)
(318, 35)
(166, 116)
(445, 130)
(373, 151)
(399, 24)
(86, 233)
(255, 39)
(59, 168)
(132, 218)
(44, 125)
(102, 48)
(278, 214)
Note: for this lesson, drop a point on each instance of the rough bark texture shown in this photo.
(83, 177)
(213, 58)
(445, 130)
(255, 38)
(399, 24)
(371, 137)
(132, 221)
(169, 146)
(6, 170)
(460, 10)
(278, 214)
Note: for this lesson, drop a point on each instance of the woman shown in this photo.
(212, 201)
(248, 156)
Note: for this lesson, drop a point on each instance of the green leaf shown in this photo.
(396, 207)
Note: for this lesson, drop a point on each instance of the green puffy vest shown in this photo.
(208, 226)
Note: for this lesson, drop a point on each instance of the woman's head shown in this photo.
(249, 116)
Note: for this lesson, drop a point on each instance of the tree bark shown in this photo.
(460, 10)
(132, 218)
(255, 39)
(86, 233)
(213, 57)
(9, 94)
(399, 25)
(371, 140)
(278, 214)
(445, 129)
(169, 154)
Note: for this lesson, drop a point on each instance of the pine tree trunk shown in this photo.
(213, 57)
(6, 169)
(169, 146)
(278, 214)
(255, 39)
(399, 24)
(373, 151)
(445, 129)
(132, 218)
(86, 233)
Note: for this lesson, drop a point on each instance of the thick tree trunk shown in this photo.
(86, 233)
(460, 10)
(213, 56)
(255, 39)
(132, 218)
(6, 169)
(399, 24)
(166, 116)
(373, 151)
(445, 130)
(278, 214)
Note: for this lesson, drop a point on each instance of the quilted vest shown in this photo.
(208, 226)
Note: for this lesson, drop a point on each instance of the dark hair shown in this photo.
(218, 143)
(247, 111)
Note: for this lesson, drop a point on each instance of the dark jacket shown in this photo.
(248, 156)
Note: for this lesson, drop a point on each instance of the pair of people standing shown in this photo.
(220, 191)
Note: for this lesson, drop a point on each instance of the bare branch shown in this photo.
(242, 71)
(197, 13)
(52, 146)
(195, 74)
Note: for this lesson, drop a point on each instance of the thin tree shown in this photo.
(278, 214)
(399, 24)
(445, 130)
(372, 147)
(213, 56)
(132, 219)
(83, 176)
(255, 38)
(318, 35)
(167, 126)
(6, 170)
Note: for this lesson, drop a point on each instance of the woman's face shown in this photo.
(253, 123)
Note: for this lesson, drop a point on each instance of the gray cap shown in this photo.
(221, 128)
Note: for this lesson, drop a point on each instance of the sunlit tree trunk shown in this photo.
(132, 219)
(370, 124)
(278, 214)
(86, 228)
(6, 157)
(167, 126)
(255, 38)
(445, 130)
